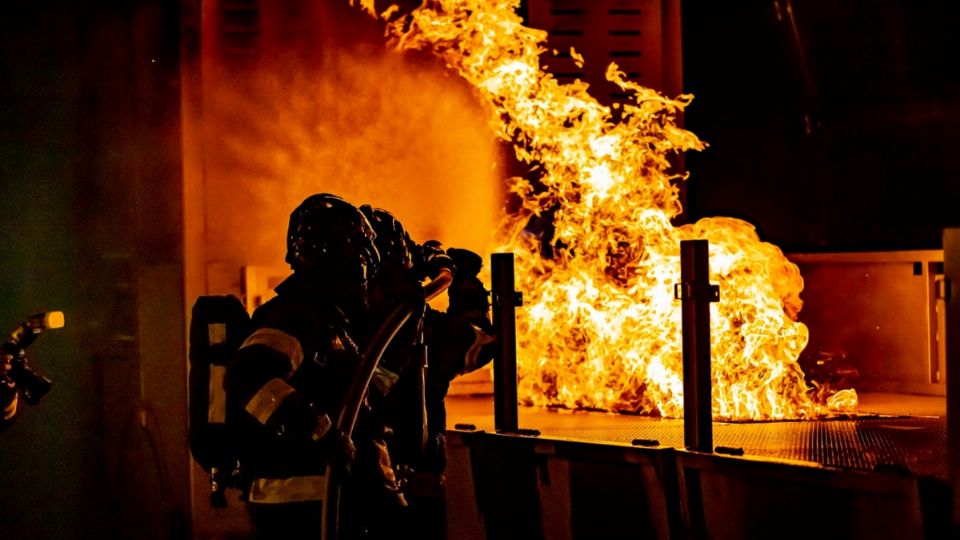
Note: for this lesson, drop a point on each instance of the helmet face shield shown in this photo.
(331, 238)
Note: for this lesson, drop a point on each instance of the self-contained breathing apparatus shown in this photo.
(218, 326)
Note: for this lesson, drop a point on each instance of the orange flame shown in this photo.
(601, 328)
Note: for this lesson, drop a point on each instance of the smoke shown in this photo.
(370, 125)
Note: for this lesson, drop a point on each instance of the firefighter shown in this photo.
(459, 341)
(287, 382)
(398, 281)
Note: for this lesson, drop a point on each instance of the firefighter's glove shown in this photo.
(433, 259)
(467, 292)
(468, 263)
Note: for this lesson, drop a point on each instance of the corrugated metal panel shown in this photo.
(628, 32)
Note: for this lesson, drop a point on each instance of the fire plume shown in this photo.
(597, 254)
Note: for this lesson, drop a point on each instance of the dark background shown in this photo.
(90, 206)
(834, 132)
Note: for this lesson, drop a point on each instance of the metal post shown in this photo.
(505, 300)
(951, 270)
(696, 294)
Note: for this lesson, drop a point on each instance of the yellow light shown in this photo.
(54, 319)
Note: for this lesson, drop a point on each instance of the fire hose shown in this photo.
(361, 381)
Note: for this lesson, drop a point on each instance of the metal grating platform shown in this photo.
(894, 431)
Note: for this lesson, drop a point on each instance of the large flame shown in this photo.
(597, 255)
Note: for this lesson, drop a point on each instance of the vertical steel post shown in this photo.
(696, 294)
(505, 301)
(951, 270)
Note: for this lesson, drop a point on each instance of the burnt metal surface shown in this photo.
(894, 433)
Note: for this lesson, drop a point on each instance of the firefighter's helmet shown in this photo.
(331, 237)
(393, 242)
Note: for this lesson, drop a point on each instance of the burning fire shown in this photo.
(597, 255)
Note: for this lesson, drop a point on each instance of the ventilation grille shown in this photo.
(239, 27)
(627, 32)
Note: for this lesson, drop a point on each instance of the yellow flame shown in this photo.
(601, 328)
(369, 6)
